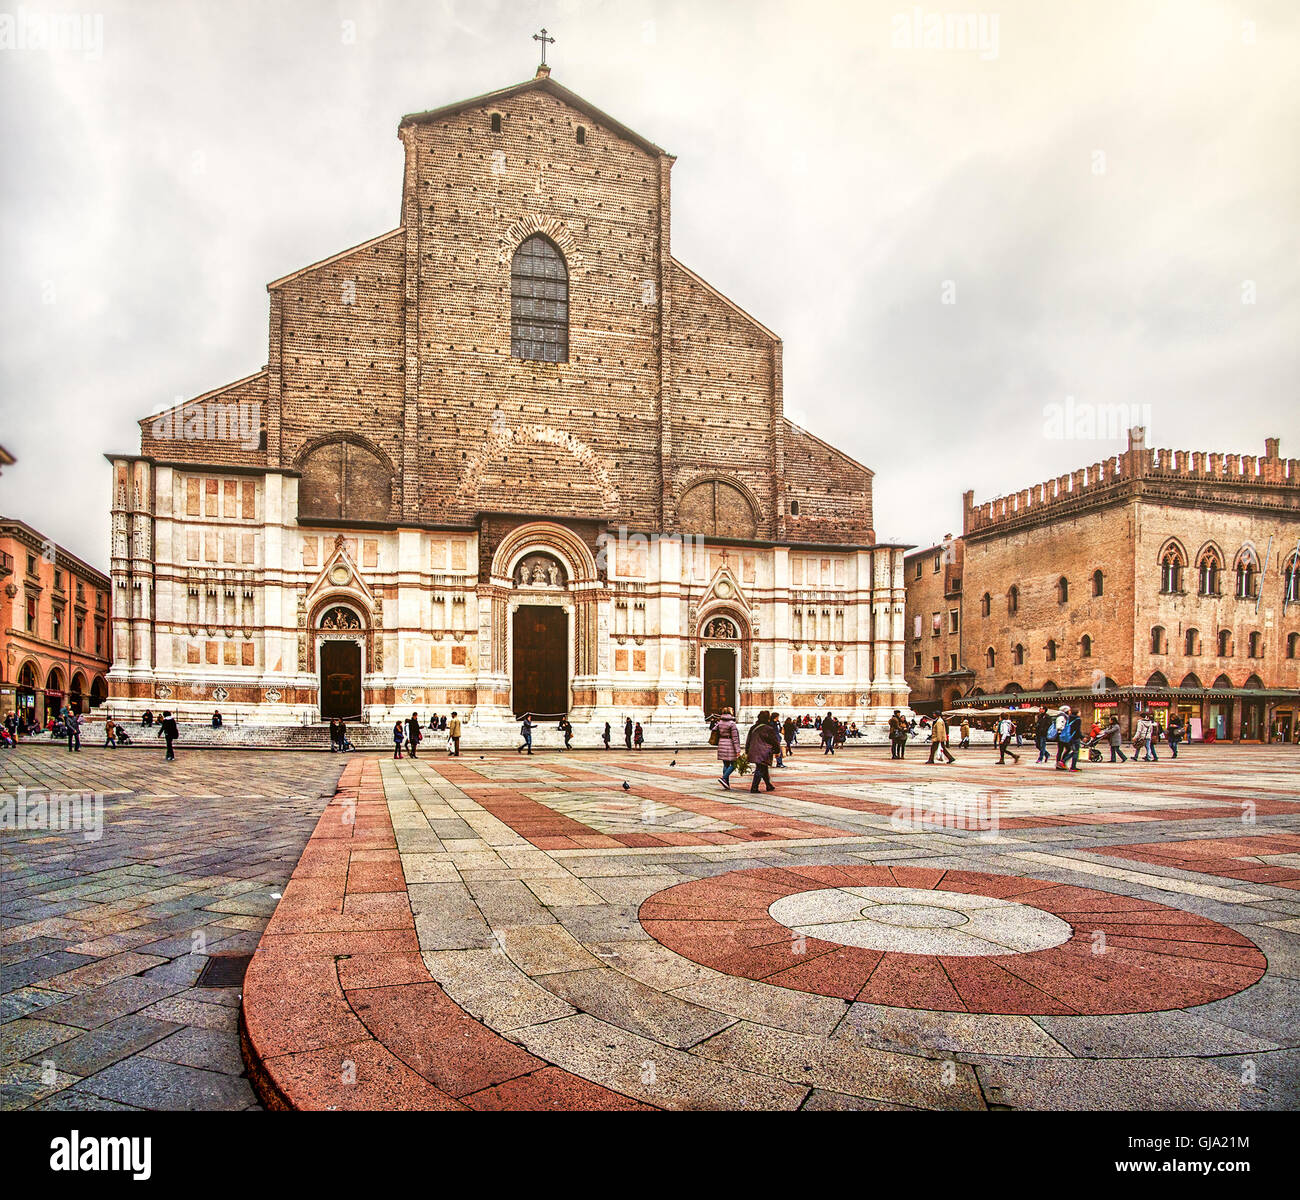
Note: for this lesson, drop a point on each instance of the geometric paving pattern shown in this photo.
(499, 932)
(504, 933)
(1087, 951)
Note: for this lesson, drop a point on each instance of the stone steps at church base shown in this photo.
(497, 736)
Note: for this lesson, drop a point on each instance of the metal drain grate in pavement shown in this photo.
(224, 970)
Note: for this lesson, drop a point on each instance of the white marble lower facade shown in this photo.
(222, 599)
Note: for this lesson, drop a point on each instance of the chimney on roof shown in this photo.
(1271, 446)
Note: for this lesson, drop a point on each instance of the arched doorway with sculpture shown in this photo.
(341, 652)
(545, 589)
(721, 650)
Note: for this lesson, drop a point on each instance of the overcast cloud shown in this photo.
(1102, 191)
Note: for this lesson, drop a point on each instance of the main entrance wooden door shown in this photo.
(719, 681)
(340, 680)
(541, 671)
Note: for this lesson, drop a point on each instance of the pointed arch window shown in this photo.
(1018, 655)
(1013, 600)
(1051, 649)
(1062, 590)
(1085, 646)
(1192, 642)
(986, 605)
(1225, 643)
(539, 302)
(1247, 574)
(1159, 643)
(1209, 571)
(1291, 579)
(990, 658)
(1098, 582)
(1172, 563)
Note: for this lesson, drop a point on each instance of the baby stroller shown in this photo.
(1094, 750)
(121, 737)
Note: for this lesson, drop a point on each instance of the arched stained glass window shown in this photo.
(539, 302)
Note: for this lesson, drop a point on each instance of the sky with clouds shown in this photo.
(1093, 201)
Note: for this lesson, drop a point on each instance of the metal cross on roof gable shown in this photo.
(543, 38)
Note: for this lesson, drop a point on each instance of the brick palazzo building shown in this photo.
(444, 488)
(1157, 580)
(54, 626)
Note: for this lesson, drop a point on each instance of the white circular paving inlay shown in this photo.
(918, 921)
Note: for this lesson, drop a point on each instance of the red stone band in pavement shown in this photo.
(1229, 858)
(550, 830)
(339, 1011)
(1155, 958)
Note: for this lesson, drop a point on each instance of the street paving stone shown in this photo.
(500, 932)
(102, 940)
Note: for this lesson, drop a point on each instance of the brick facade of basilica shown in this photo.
(510, 456)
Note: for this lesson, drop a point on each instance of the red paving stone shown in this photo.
(339, 1011)
(1154, 958)
(1228, 858)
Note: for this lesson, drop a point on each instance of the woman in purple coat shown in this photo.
(728, 745)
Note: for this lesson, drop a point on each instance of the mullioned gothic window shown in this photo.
(1209, 569)
(1171, 570)
(539, 302)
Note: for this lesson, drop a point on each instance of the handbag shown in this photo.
(713, 736)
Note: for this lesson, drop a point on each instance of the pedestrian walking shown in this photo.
(828, 735)
(1069, 740)
(567, 730)
(1042, 723)
(1114, 738)
(413, 734)
(760, 745)
(169, 731)
(606, 735)
(453, 728)
(780, 742)
(110, 733)
(72, 726)
(939, 739)
(726, 736)
(1174, 734)
(1006, 731)
(526, 732)
(790, 732)
(897, 734)
(399, 736)
(627, 732)
(638, 737)
(964, 744)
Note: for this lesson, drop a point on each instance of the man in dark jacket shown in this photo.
(897, 734)
(413, 734)
(760, 744)
(169, 730)
(1041, 725)
(627, 732)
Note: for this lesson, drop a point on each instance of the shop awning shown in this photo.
(1067, 695)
